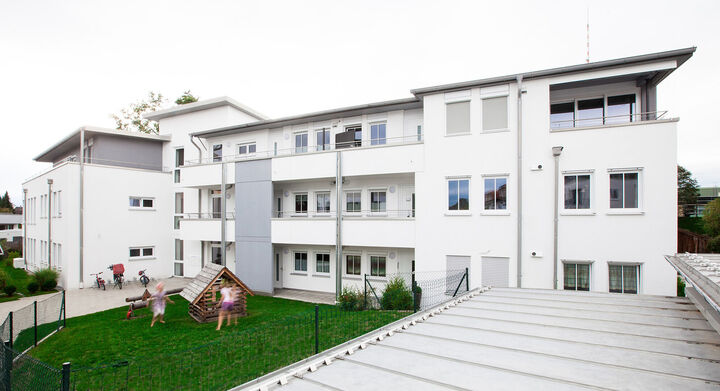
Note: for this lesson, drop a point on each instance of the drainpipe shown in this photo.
(338, 224)
(223, 218)
(82, 204)
(192, 140)
(519, 180)
(25, 212)
(49, 216)
(556, 154)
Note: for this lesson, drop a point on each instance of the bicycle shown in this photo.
(144, 279)
(117, 269)
(99, 281)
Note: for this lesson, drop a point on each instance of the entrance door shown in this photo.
(278, 271)
(216, 253)
(216, 203)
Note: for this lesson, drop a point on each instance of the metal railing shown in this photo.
(207, 216)
(608, 120)
(308, 149)
(349, 215)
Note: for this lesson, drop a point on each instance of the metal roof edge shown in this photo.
(203, 105)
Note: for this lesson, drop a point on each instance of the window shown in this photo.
(300, 261)
(142, 252)
(495, 193)
(179, 250)
(54, 203)
(457, 118)
(301, 142)
(352, 265)
(624, 190)
(216, 203)
(576, 276)
(59, 204)
(562, 115)
(378, 201)
(322, 140)
(301, 203)
(377, 266)
(624, 278)
(494, 113)
(141, 203)
(323, 202)
(217, 153)
(179, 162)
(179, 269)
(179, 203)
(216, 253)
(577, 191)
(352, 202)
(322, 263)
(590, 112)
(356, 130)
(247, 148)
(620, 109)
(176, 222)
(377, 134)
(459, 194)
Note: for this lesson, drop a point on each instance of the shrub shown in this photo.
(33, 286)
(3, 279)
(680, 287)
(713, 245)
(351, 299)
(397, 296)
(10, 290)
(711, 217)
(46, 279)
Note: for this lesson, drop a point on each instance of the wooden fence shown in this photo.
(691, 242)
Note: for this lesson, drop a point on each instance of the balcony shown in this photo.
(573, 121)
(206, 175)
(304, 230)
(206, 226)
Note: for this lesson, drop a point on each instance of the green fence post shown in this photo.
(11, 329)
(66, 376)
(64, 310)
(35, 316)
(317, 329)
(467, 280)
(7, 373)
(365, 291)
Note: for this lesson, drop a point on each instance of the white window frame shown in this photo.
(307, 142)
(578, 212)
(595, 95)
(307, 207)
(639, 282)
(142, 201)
(323, 147)
(370, 257)
(378, 141)
(626, 211)
(142, 250)
(316, 253)
(578, 262)
(295, 270)
(483, 97)
(353, 212)
(58, 207)
(316, 194)
(345, 272)
(378, 213)
(500, 212)
(247, 148)
(446, 208)
(467, 100)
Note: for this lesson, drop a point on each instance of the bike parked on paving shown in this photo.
(144, 279)
(118, 271)
(99, 281)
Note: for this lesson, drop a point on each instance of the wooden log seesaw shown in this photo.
(137, 302)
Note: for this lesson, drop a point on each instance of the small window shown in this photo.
(459, 194)
(378, 201)
(562, 115)
(495, 193)
(620, 109)
(352, 202)
(179, 203)
(352, 265)
(577, 191)
(179, 157)
(301, 203)
(147, 203)
(457, 118)
(590, 112)
(322, 263)
(494, 113)
(624, 278)
(140, 202)
(176, 222)
(135, 202)
(323, 202)
(322, 140)
(247, 149)
(134, 252)
(624, 190)
(217, 153)
(377, 134)
(176, 176)
(179, 269)
(300, 262)
(576, 276)
(147, 252)
(138, 252)
(301, 142)
(179, 250)
(377, 266)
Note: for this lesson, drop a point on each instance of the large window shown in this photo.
(352, 265)
(457, 118)
(301, 203)
(301, 142)
(322, 263)
(562, 115)
(323, 202)
(247, 148)
(352, 202)
(322, 140)
(577, 191)
(494, 113)
(576, 276)
(459, 194)
(217, 152)
(179, 250)
(377, 266)
(496, 193)
(377, 134)
(300, 261)
(593, 112)
(590, 112)
(624, 190)
(624, 278)
(620, 109)
(378, 201)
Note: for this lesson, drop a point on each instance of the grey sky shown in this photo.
(69, 63)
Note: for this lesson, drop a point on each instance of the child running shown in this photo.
(158, 299)
(227, 303)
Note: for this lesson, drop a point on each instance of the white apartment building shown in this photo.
(562, 178)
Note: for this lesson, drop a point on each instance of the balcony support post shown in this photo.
(338, 224)
(223, 209)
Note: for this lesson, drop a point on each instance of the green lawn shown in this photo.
(18, 277)
(183, 354)
(693, 224)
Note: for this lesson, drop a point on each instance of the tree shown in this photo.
(131, 119)
(711, 217)
(687, 187)
(5, 202)
(186, 97)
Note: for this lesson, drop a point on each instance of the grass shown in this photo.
(184, 354)
(693, 224)
(19, 278)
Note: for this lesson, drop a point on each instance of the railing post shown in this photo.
(317, 329)
(35, 319)
(467, 279)
(66, 376)
(7, 364)
(11, 329)
(64, 310)
(412, 290)
(365, 291)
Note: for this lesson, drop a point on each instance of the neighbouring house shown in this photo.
(705, 196)
(466, 175)
(11, 230)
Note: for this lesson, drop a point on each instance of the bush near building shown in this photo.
(711, 220)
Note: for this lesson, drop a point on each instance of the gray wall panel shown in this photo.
(127, 152)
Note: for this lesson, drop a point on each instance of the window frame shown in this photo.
(295, 264)
(496, 211)
(638, 281)
(620, 92)
(303, 149)
(307, 204)
(141, 201)
(483, 98)
(586, 211)
(457, 212)
(640, 192)
(449, 102)
(324, 146)
(378, 212)
(359, 265)
(378, 140)
(378, 275)
(576, 263)
(141, 253)
(353, 212)
(217, 153)
(329, 262)
(247, 145)
(319, 193)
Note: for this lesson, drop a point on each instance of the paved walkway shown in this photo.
(90, 300)
(307, 296)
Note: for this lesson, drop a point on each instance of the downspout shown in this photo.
(25, 213)
(519, 180)
(556, 154)
(223, 218)
(49, 217)
(82, 204)
(199, 191)
(338, 225)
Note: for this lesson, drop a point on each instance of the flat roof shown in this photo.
(508, 339)
(203, 105)
(8, 218)
(72, 140)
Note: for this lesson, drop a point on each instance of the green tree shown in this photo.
(711, 217)
(186, 97)
(5, 202)
(131, 118)
(687, 187)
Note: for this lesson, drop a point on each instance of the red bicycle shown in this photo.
(99, 281)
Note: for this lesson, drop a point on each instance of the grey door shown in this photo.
(495, 271)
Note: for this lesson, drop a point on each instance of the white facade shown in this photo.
(414, 191)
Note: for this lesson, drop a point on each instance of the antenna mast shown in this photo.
(587, 59)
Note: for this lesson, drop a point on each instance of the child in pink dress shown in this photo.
(226, 303)
(158, 300)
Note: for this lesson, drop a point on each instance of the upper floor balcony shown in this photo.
(206, 227)
(562, 117)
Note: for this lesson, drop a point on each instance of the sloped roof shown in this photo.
(204, 280)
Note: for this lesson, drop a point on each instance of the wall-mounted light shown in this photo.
(392, 189)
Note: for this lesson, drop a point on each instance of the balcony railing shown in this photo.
(608, 120)
(208, 216)
(369, 214)
(308, 149)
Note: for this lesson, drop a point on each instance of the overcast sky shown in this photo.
(69, 63)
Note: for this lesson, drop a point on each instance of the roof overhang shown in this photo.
(203, 105)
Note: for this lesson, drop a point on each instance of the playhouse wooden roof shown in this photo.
(206, 278)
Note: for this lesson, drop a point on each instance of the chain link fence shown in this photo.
(428, 288)
(25, 327)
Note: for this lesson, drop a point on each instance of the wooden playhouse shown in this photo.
(204, 296)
